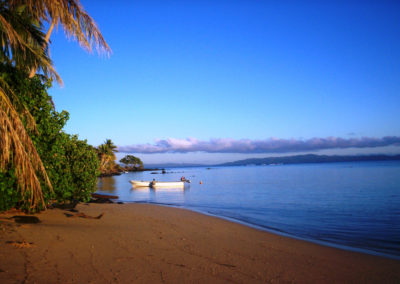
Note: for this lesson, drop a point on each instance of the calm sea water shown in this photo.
(351, 205)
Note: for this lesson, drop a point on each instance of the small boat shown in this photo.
(157, 184)
(139, 183)
(167, 184)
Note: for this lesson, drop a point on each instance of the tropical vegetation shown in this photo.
(132, 161)
(106, 153)
(71, 164)
(38, 161)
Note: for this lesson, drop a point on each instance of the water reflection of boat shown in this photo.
(168, 189)
(141, 189)
(147, 189)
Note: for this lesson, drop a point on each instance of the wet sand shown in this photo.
(141, 243)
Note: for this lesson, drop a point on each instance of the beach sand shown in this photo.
(141, 243)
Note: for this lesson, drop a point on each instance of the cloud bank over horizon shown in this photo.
(247, 146)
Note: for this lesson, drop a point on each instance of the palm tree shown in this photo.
(106, 152)
(22, 40)
(25, 46)
(110, 146)
(74, 20)
(103, 156)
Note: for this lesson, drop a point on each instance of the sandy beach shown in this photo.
(141, 243)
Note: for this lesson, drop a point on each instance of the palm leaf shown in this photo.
(77, 24)
(23, 41)
(17, 148)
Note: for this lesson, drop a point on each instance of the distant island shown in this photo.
(310, 158)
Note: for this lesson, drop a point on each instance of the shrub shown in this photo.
(70, 163)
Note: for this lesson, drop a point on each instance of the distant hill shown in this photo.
(305, 159)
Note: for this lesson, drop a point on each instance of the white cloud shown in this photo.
(271, 145)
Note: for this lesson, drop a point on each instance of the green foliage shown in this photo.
(132, 160)
(83, 166)
(7, 193)
(71, 164)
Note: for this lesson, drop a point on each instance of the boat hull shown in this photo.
(166, 184)
(138, 183)
(158, 184)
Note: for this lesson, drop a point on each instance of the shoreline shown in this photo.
(276, 232)
(284, 234)
(136, 242)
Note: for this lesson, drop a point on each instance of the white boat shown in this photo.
(158, 184)
(140, 183)
(167, 184)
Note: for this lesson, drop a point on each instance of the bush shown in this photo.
(83, 167)
(71, 164)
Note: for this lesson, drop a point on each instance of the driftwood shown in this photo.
(21, 244)
(70, 205)
(83, 215)
(97, 195)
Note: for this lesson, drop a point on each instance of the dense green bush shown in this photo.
(8, 195)
(83, 166)
(71, 164)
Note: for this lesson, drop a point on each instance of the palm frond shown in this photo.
(70, 14)
(22, 43)
(17, 148)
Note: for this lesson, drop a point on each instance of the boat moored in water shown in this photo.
(167, 184)
(140, 183)
(158, 184)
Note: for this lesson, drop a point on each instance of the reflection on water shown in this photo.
(165, 189)
(156, 194)
(106, 184)
(141, 189)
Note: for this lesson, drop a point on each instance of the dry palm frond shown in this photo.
(70, 14)
(10, 33)
(22, 42)
(12, 101)
(17, 148)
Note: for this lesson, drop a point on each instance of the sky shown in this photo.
(216, 81)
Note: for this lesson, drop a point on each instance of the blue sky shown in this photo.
(238, 70)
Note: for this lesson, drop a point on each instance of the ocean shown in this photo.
(354, 206)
